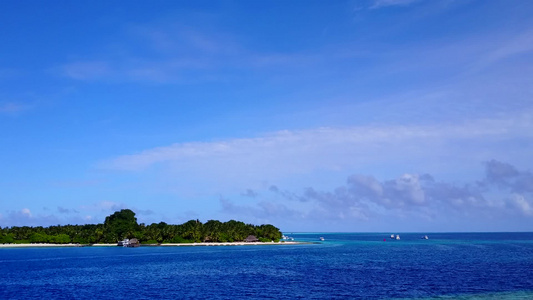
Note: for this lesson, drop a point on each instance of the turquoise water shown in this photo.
(344, 265)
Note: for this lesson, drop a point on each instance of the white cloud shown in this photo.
(26, 212)
(420, 199)
(305, 151)
(522, 204)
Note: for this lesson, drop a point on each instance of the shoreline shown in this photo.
(225, 244)
(39, 245)
(44, 245)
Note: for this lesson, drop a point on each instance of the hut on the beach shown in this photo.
(251, 239)
(134, 243)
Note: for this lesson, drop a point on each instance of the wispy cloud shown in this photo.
(386, 3)
(83, 214)
(7, 73)
(519, 44)
(166, 53)
(261, 212)
(75, 183)
(88, 70)
(63, 210)
(14, 107)
(25, 217)
(170, 52)
(330, 148)
(249, 193)
(104, 206)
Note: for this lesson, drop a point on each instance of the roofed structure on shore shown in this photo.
(134, 242)
(251, 239)
(129, 243)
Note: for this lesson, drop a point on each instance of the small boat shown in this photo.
(392, 236)
(425, 237)
(321, 238)
(124, 243)
(287, 238)
(397, 236)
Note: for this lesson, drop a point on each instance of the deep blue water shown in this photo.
(345, 265)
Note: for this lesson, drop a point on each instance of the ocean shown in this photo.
(343, 266)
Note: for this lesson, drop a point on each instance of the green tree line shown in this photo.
(123, 224)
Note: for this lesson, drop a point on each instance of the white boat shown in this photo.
(397, 236)
(392, 236)
(321, 238)
(123, 243)
(425, 237)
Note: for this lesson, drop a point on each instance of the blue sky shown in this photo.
(376, 115)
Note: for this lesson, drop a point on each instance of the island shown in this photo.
(123, 225)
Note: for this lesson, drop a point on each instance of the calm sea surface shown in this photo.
(345, 265)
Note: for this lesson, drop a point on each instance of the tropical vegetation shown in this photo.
(123, 224)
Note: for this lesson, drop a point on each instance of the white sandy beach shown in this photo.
(149, 245)
(228, 244)
(207, 244)
(38, 245)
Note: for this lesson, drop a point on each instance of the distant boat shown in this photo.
(321, 238)
(392, 236)
(287, 238)
(425, 237)
(397, 236)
